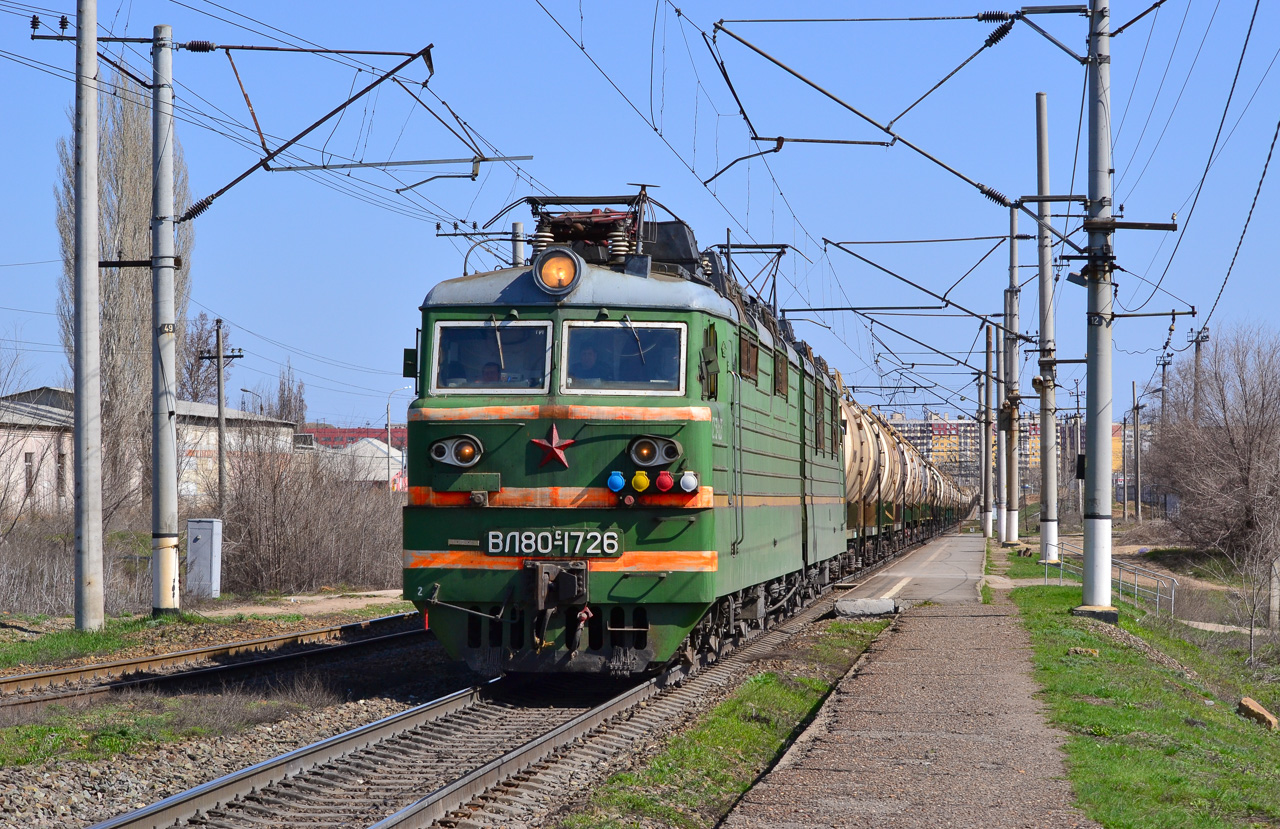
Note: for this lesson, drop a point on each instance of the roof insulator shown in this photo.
(200, 46)
(999, 33)
(994, 17)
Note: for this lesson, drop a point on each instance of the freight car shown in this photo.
(617, 457)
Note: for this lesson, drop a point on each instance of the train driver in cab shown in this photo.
(588, 365)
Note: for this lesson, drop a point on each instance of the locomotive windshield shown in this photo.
(623, 357)
(507, 357)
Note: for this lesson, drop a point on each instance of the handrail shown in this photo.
(1161, 588)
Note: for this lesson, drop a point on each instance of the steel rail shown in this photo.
(123, 667)
(209, 795)
(197, 676)
(440, 803)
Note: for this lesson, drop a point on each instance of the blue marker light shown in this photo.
(616, 482)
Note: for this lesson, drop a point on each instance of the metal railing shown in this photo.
(1143, 584)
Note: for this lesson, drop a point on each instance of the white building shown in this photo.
(36, 444)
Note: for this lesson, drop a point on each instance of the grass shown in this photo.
(695, 781)
(56, 647)
(95, 732)
(1029, 567)
(1148, 746)
(986, 593)
(63, 645)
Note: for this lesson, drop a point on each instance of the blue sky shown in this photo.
(327, 272)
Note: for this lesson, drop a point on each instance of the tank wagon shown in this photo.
(617, 457)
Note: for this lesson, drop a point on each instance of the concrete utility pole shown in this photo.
(1048, 348)
(1097, 494)
(1124, 466)
(1001, 446)
(1137, 454)
(219, 356)
(1012, 456)
(1163, 361)
(90, 613)
(222, 423)
(164, 433)
(1075, 461)
(1199, 338)
(987, 384)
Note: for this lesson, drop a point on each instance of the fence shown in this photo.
(1143, 584)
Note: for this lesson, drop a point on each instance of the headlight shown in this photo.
(644, 452)
(654, 451)
(465, 452)
(556, 270)
(462, 450)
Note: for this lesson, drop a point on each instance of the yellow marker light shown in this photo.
(640, 481)
(557, 271)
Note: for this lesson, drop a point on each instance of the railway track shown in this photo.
(85, 682)
(458, 749)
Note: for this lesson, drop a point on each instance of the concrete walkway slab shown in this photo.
(938, 727)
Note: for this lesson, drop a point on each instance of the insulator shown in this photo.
(196, 209)
(998, 35)
(994, 17)
(199, 46)
(618, 245)
(995, 195)
(63, 23)
(542, 239)
(35, 22)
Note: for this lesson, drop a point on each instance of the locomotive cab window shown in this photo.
(623, 358)
(488, 357)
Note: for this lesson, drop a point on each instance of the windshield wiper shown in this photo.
(626, 319)
(497, 335)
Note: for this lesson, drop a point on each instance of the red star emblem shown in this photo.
(553, 447)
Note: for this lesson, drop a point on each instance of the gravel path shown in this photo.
(939, 726)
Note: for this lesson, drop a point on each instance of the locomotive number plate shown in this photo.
(553, 543)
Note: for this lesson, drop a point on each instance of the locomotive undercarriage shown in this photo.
(735, 616)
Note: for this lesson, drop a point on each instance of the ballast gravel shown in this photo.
(59, 794)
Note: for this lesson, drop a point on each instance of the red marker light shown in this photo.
(664, 481)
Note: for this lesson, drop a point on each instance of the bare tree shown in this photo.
(1225, 465)
(124, 216)
(290, 401)
(198, 377)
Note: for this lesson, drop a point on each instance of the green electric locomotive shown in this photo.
(616, 458)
